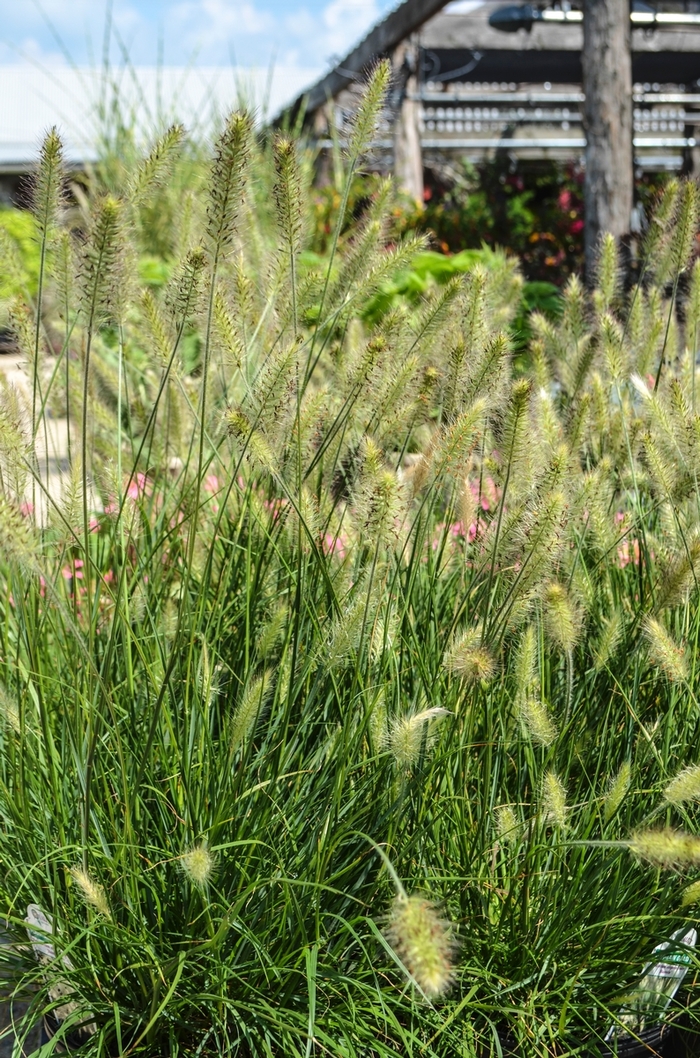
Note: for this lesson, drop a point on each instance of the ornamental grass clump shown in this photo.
(315, 564)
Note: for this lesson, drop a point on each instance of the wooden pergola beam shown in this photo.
(380, 41)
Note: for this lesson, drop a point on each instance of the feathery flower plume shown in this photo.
(537, 721)
(526, 663)
(406, 734)
(226, 332)
(367, 114)
(617, 791)
(248, 710)
(455, 444)
(183, 294)
(692, 310)
(271, 632)
(378, 499)
(198, 865)
(162, 340)
(18, 541)
(48, 186)
(683, 238)
(690, 895)
(424, 942)
(469, 658)
(664, 651)
(377, 722)
(227, 182)
(608, 273)
(661, 223)
(664, 472)
(9, 712)
(157, 167)
(561, 620)
(666, 848)
(507, 824)
(287, 193)
(679, 574)
(253, 440)
(92, 892)
(467, 506)
(608, 640)
(100, 261)
(684, 787)
(554, 800)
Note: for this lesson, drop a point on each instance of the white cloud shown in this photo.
(127, 19)
(463, 7)
(345, 21)
(304, 33)
(218, 21)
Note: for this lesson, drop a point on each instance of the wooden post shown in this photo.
(408, 156)
(321, 127)
(607, 119)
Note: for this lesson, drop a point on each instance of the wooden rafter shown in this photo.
(386, 35)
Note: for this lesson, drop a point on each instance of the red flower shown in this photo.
(576, 227)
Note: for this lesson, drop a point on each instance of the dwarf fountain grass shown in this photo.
(537, 721)
(553, 798)
(314, 572)
(468, 658)
(408, 736)
(664, 651)
(684, 787)
(666, 848)
(617, 791)
(92, 891)
(198, 865)
(691, 894)
(423, 942)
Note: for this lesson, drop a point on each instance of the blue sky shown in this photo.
(304, 33)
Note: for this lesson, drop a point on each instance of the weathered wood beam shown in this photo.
(408, 154)
(380, 41)
(607, 122)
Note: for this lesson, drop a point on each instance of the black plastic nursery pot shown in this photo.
(658, 1042)
(70, 1042)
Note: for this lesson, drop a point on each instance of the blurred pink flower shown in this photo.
(138, 486)
(335, 545)
(490, 495)
(625, 555)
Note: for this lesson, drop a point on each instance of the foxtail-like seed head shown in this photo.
(684, 787)
(507, 824)
(537, 721)
(670, 849)
(91, 891)
(561, 619)
(198, 865)
(691, 894)
(665, 652)
(424, 941)
(406, 735)
(617, 791)
(469, 658)
(554, 808)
